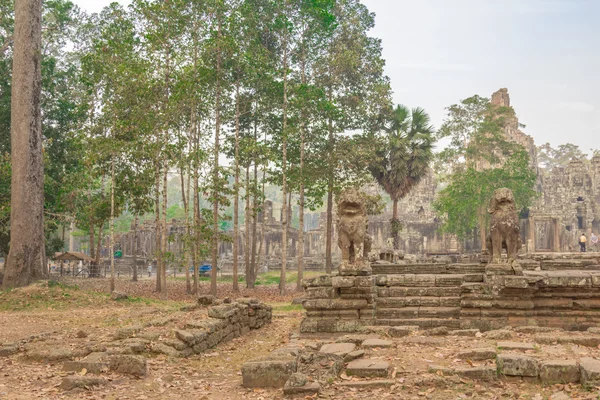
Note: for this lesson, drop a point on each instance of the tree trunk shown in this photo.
(195, 253)
(236, 189)
(157, 229)
(284, 218)
(250, 273)
(94, 267)
(26, 261)
(299, 287)
(186, 242)
(329, 227)
(164, 234)
(135, 248)
(112, 224)
(215, 241)
(395, 225)
(253, 265)
(99, 247)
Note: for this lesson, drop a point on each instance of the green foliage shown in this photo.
(480, 160)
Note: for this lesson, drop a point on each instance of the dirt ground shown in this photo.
(59, 312)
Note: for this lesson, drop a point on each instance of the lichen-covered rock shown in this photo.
(206, 300)
(517, 365)
(268, 373)
(82, 382)
(118, 296)
(559, 371)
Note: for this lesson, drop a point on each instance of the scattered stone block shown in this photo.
(81, 334)
(206, 300)
(499, 334)
(119, 296)
(127, 332)
(484, 373)
(94, 363)
(321, 367)
(517, 365)
(401, 331)
(340, 349)
(82, 382)
(436, 369)
(439, 331)
(477, 354)
(371, 343)
(354, 355)
(559, 371)
(464, 332)
(223, 311)
(6, 351)
(268, 373)
(424, 340)
(298, 384)
(515, 346)
(127, 364)
(560, 396)
(356, 339)
(49, 354)
(368, 368)
(161, 348)
(590, 372)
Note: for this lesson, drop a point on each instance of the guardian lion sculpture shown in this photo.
(352, 226)
(504, 226)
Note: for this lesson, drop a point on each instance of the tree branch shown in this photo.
(6, 45)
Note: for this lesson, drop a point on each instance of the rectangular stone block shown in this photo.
(476, 303)
(268, 373)
(364, 281)
(587, 303)
(342, 281)
(391, 302)
(449, 301)
(334, 304)
(590, 372)
(323, 280)
(517, 365)
(575, 280)
(516, 282)
(514, 304)
(448, 280)
(552, 303)
(559, 371)
(322, 292)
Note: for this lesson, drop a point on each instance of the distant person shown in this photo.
(149, 271)
(582, 240)
(594, 240)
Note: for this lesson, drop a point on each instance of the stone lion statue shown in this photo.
(504, 226)
(352, 226)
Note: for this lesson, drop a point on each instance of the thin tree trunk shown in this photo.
(250, 273)
(236, 189)
(253, 265)
(112, 224)
(186, 242)
(135, 248)
(26, 261)
(299, 287)
(164, 235)
(94, 271)
(395, 226)
(99, 246)
(284, 218)
(215, 242)
(157, 230)
(196, 254)
(329, 227)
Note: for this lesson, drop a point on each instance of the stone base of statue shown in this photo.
(358, 268)
(506, 268)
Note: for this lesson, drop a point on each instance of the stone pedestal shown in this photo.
(359, 268)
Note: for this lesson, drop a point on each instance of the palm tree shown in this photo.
(405, 155)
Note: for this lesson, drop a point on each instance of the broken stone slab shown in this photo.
(57, 353)
(321, 367)
(484, 373)
(368, 368)
(354, 355)
(424, 340)
(587, 341)
(127, 332)
(517, 365)
(268, 373)
(341, 349)
(94, 363)
(464, 332)
(560, 396)
(401, 331)
(559, 371)
(373, 343)
(356, 339)
(499, 334)
(310, 389)
(82, 382)
(515, 346)
(128, 364)
(439, 331)
(590, 372)
(374, 384)
(440, 369)
(477, 354)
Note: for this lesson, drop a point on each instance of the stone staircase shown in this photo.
(426, 296)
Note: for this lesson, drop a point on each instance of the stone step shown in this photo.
(420, 280)
(430, 268)
(368, 368)
(418, 301)
(408, 291)
(422, 323)
(418, 312)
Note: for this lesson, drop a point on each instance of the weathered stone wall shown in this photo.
(225, 322)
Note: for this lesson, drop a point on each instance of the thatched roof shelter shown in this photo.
(72, 256)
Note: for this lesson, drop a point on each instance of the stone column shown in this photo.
(531, 234)
(556, 242)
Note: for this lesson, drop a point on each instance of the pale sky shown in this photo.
(546, 52)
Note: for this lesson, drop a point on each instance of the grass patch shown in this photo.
(285, 307)
(268, 278)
